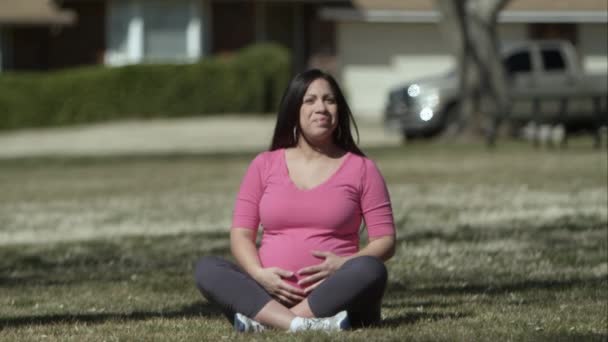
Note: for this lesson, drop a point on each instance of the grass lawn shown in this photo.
(510, 244)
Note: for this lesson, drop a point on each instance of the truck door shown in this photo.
(556, 84)
(518, 66)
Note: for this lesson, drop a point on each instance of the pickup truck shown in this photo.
(546, 86)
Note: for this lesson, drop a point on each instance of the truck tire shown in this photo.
(450, 125)
(409, 136)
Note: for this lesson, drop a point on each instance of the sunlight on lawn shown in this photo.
(503, 245)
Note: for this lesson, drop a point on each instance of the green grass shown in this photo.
(509, 244)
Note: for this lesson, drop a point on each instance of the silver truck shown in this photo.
(546, 86)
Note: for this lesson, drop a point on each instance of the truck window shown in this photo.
(518, 62)
(552, 59)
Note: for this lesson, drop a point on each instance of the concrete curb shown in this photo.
(225, 134)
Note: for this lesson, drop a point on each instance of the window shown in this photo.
(153, 31)
(165, 26)
(119, 17)
(552, 59)
(519, 62)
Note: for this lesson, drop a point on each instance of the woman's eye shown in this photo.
(332, 101)
(309, 101)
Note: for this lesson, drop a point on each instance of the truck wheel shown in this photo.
(450, 124)
(409, 136)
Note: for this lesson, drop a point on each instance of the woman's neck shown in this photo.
(313, 151)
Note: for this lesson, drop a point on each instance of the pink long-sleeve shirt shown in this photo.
(324, 218)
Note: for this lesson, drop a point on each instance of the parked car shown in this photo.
(546, 85)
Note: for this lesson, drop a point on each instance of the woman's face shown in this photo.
(319, 111)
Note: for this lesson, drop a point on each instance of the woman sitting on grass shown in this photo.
(310, 192)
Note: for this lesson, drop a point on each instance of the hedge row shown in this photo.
(251, 81)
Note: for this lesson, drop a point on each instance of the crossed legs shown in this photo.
(358, 287)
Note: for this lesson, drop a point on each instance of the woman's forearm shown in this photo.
(382, 247)
(243, 248)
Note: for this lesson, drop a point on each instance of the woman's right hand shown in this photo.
(271, 279)
(242, 245)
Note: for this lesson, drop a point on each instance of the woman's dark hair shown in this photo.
(288, 117)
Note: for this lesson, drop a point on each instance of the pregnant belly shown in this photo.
(294, 253)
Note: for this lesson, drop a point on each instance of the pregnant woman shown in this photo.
(310, 193)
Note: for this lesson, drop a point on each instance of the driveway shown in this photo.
(229, 133)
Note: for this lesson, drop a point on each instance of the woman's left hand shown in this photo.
(318, 273)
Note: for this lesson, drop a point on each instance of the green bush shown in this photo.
(251, 81)
(274, 69)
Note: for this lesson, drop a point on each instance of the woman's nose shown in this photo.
(320, 105)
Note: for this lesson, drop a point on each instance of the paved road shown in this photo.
(230, 133)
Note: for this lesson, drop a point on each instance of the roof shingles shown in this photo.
(34, 12)
(514, 5)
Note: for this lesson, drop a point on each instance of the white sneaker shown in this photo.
(335, 323)
(244, 324)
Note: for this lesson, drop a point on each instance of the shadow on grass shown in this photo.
(556, 337)
(515, 230)
(198, 309)
(497, 289)
(110, 260)
(413, 317)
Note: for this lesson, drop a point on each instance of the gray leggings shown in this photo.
(358, 287)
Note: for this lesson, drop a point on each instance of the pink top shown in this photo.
(325, 218)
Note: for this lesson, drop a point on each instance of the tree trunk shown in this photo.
(471, 26)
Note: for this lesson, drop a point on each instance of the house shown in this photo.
(121, 32)
(19, 22)
(384, 43)
(371, 45)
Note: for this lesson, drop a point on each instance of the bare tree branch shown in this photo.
(470, 26)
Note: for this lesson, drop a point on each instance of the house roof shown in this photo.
(513, 5)
(528, 11)
(34, 12)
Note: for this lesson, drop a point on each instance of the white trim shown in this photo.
(1, 47)
(193, 32)
(135, 35)
(205, 28)
(554, 17)
(394, 16)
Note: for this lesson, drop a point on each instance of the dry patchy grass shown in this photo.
(503, 245)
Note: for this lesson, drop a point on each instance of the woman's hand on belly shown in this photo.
(318, 273)
(271, 279)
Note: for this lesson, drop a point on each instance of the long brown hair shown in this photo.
(289, 110)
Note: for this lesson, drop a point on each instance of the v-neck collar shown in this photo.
(345, 158)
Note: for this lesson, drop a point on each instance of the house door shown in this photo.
(233, 26)
(554, 31)
(30, 47)
(82, 43)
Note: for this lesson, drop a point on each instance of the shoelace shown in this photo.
(317, 323)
